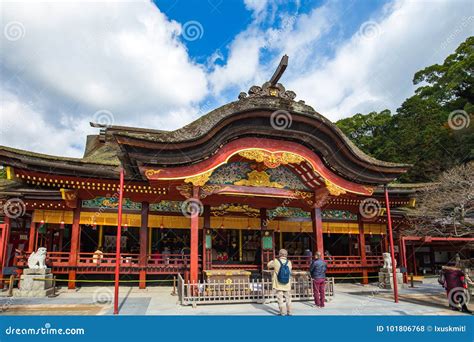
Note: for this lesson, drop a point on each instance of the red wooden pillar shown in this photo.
(143, 260)
(32, 236)
(194, 263)
(413, 256)
(403, 257)
(4, 243)
(118, 243)
(206, 227)
(363, 256)
(317, 222)
(73, 254)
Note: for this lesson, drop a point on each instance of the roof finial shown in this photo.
(272, 87)
(279, 70)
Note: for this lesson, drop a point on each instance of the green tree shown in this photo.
(424, 131)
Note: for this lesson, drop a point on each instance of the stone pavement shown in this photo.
(350, 299)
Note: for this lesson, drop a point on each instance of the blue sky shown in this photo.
(162, 64)
(222, 20)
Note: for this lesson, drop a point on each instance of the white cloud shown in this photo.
(374, 69)
(124, 57)
(242, 65)
(23, 127)
(69, 60)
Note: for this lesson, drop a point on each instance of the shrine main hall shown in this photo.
(223, 193)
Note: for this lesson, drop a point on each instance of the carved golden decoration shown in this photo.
(232, 208)
(307, 196)
(334, 189)
(69, 197)
(369, 189)
(259, 178)
(270, 159)
(151, 173)
(200, 179)
(207, 190)
(185, 190)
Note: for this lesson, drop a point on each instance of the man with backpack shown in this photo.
(281, 280)
(318, 275)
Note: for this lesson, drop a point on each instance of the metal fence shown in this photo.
(252, 291)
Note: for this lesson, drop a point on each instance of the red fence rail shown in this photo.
(178, 263)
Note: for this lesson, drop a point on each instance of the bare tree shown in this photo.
(446, 208)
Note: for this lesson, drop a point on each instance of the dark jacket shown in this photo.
(318, 269)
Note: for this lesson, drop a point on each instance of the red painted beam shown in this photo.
(270, 145)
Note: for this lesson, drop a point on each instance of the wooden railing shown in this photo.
(107, 259)
(52, 258)
(300, 262)
(374, 260)
(182, 261)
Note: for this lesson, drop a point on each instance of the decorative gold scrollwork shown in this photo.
(334, 189)
(259, 178)
(272, 159)
(150, 173)
(200, 179)
(207, 190)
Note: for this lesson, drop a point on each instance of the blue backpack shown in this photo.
(284, 273)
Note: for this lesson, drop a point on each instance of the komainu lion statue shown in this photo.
(387, 261)
(37, 259)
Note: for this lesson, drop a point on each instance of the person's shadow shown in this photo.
(266, 308)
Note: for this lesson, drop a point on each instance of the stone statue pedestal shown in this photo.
(31, 286)
(386, 278)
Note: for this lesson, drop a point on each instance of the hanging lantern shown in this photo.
(94, 226)
(329, 233)
(125, 227)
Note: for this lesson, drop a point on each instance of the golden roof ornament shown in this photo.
(271, 159)
(259, 178)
